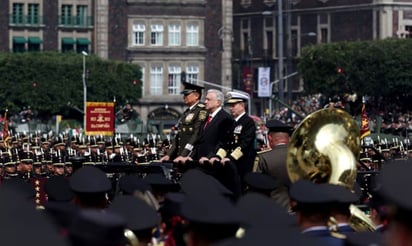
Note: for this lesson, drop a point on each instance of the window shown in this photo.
(34, 43)
(192, 73)
(33, 14)
(408, 31)
(174, 34)
(82, 44)
(156, 35)
(19, 44)
(324, 35)
(294, 37)
(138, 34)
(268, 42)
(18, 17)
(67, 44)
(66, 16)
(173, 83)
(81, 14)
(192, 34)
(156, 80)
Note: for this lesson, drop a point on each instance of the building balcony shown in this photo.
(76, 21)
(26, 20)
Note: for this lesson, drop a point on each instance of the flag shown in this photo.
(6, 136)
(364, 131)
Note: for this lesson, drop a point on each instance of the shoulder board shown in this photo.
(263, 151)
(201, 105)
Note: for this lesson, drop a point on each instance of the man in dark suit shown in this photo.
(273, 161)
(189, 125)
(241, 149)
(215, 132)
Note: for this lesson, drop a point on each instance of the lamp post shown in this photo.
(280, 51)
(84, 53)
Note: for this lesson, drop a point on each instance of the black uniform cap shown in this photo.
(97, 227)
(128, 184)
(278, 126)
(261, 211)
(58, 189)
(137, 213)
(211, 209)
(18, 216)
(260, 182)
(90, 179)
(189, 88)
(395, 180)
(304, 191)
(195, 181)
(159, 182)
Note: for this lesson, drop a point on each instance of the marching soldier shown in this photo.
(189, 125)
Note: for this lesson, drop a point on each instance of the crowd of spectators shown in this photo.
(384, 117)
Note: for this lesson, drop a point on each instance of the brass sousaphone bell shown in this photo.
(325, 148)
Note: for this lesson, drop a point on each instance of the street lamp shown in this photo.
(84, 53)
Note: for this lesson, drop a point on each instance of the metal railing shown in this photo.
(76, 21)
(26, 20)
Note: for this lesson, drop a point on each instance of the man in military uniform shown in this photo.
(240, 150)
(189, 125)
(273, 161)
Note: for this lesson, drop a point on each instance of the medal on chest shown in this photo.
(238, 129)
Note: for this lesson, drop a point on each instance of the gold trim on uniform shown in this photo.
(237, 153)
(202, 115)
(221, 153)
(189, 117)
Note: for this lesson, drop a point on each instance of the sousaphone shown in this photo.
(325, 148)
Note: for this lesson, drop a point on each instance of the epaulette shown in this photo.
(264, 151)
(201, 105)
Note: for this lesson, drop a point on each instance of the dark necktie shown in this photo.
(209, 119)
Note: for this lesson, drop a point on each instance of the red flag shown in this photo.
(364, 123)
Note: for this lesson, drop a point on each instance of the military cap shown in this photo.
(189, 88)
(395, 180)
(195, 181)
(128, 184)
(304, 191)
(7, 160)
(339, 193)
(138, 214)
(260, 181)
(57, 160)
(171, 205)
(24, 188)
(261, 211)
(19, 216)
(97, 227)
(57, 188)
(159, 182)
(90, 179)
(235, 97)
(26, 156)
(278, 126)
(211, 209)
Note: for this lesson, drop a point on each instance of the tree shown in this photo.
(48, 81)
(374, 68)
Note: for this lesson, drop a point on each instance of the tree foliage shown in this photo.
(49, 81)
(375, 68)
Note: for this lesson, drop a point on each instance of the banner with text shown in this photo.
(264, 82)
(100, 118)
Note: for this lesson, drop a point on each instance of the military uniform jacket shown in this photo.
(241, 148)
(189, 126)
(273, 163)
